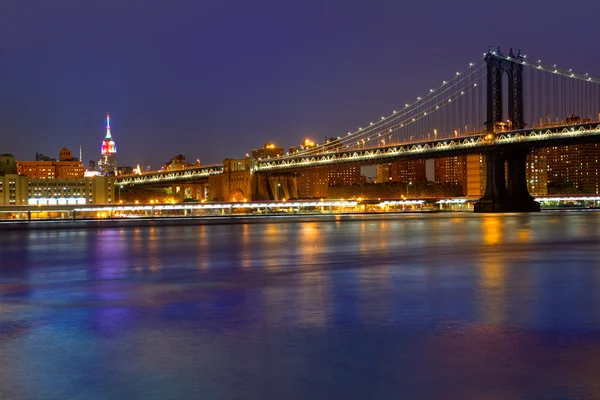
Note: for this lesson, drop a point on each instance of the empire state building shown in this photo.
(107, 165)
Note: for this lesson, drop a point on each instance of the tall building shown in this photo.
(451, 171)
(537, 172)
(313, 182)
(476, 175)
(413, 171)
(344, 175)
(383, 173)
(108, 153)
(574, 169)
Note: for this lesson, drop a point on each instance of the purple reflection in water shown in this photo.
(420, 306)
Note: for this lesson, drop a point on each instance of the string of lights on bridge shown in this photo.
(449, 91)
(435, 100)
(549, 68)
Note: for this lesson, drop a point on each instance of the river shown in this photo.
(415, 306)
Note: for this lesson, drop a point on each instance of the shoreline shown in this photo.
(110, 223)
(97, 223)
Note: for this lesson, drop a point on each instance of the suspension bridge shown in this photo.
(502, 105)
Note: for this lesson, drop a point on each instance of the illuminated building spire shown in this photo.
(108, 144)
(108, 126)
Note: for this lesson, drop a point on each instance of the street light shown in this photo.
(407, 186)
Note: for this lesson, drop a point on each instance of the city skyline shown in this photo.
(174, 84)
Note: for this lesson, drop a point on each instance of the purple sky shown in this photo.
(213, 79)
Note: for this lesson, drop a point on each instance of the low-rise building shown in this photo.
(45, 168)
(17, 189)
(94, 190)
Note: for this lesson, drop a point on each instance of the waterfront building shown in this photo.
(107, 165)
(94, 190)
(16, 189)
(12, 189)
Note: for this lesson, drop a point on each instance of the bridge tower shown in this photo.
(505, 191)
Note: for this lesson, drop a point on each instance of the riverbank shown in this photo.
(188, 220)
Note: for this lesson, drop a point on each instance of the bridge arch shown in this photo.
(237, 196)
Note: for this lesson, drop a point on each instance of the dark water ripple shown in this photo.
(451, 306)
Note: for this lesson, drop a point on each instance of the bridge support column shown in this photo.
(518, 193)
(500, 197)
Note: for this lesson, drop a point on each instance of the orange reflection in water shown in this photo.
(492, 232)
(312, 295)
(491, 289)
(524, 235)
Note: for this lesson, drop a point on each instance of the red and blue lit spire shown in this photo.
(108, 144)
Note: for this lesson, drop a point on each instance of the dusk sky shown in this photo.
(214, 79)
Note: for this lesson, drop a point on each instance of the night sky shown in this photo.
(213, 79)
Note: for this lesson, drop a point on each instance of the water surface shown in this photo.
(447, 306)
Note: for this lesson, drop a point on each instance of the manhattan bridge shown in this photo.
(504, 105)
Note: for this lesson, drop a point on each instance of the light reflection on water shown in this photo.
(410, 306)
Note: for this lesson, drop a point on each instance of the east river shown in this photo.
(412, 306)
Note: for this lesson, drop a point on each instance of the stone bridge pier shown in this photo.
(238, 182)
(274, 187)
(506, 187)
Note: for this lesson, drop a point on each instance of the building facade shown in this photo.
(96, 190)
(413, 171)
(313, 182)
(574, 169)
(13, 189)
(46, 168)
(51, 169)
(344, 175)
(451, 171)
